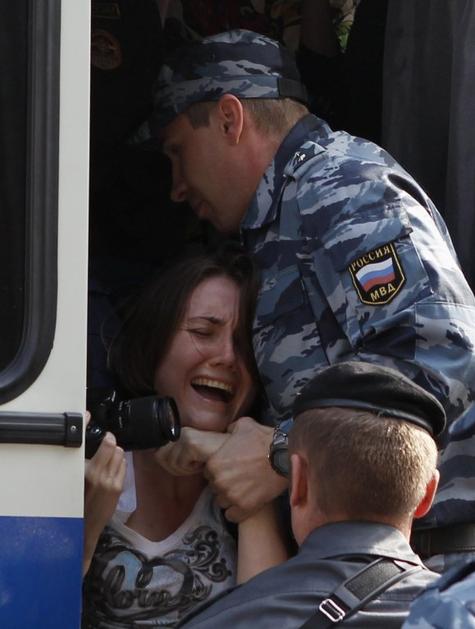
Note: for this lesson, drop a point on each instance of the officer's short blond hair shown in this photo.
(363, 464)
(270, 115)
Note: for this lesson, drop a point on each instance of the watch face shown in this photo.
(280, 461)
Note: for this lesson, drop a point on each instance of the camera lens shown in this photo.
(138, 424)
(148, 422)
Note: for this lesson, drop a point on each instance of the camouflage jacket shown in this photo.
(449, 602)
(455, 499)
(356, 263)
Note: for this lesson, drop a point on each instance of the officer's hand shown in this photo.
(240, 474)
(189, 454)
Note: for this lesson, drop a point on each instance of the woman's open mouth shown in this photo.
(213, 389)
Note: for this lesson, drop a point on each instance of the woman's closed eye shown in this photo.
(205, 330)
(201, 332)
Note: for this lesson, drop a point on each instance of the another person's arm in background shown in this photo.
(317, 30)
(163, 8)
(319, 60)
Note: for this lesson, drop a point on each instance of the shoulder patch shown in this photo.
(377, 275)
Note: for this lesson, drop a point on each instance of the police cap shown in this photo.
(239, 62)
(375, 388)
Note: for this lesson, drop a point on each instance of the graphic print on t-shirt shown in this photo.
(134, 582)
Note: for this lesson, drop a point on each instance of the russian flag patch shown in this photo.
(377, 275)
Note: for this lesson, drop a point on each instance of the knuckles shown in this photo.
(214, 469)
(243, 424)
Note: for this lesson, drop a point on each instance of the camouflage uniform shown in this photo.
(333, 215)
(449, 602)
(356, 261)
(455, 499)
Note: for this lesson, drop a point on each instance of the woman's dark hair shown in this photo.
(150, 323)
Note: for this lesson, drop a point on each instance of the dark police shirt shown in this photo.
(288, 595)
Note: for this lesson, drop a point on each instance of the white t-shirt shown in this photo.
(133, 582)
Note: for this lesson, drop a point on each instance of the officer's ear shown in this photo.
(230, 114)
(426, 502)
(299, 484)
(301, 513)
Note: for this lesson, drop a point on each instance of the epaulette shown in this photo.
(307, 152)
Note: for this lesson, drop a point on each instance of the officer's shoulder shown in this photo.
(456, 575)
(340, 149)
(450, 600)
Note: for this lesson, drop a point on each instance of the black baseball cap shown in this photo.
(372, 387)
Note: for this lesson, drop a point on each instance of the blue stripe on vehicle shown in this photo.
(40, 572)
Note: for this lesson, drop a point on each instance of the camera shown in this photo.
(138, 424)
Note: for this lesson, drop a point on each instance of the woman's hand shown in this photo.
(105, 474)
(189, 454)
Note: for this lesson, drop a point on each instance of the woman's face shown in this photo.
(203, 369)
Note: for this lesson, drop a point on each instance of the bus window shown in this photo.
(29, 131)
(13, 40)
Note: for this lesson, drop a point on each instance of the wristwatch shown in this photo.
(278, 451)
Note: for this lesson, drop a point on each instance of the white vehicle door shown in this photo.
(44, 149)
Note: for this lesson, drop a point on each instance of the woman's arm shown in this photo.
(260, 543)
(260, 539)
(105, 474)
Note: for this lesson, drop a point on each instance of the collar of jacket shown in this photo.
(265, 203)
(359, 538)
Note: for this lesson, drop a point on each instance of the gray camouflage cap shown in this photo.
(238, 62)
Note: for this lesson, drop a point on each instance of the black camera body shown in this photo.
(137, 424)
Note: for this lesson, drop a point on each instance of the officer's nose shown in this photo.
(179, 188)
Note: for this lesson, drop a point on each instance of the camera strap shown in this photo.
(358, 591)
